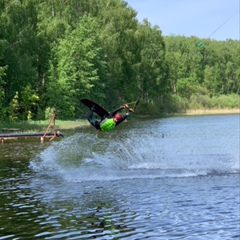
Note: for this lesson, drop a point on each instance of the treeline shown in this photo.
(55, 52)
(203, 73)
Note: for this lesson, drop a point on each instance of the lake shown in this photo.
(170, 178)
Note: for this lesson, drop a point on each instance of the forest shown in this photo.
(55, 52)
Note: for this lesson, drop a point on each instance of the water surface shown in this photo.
(173, 178)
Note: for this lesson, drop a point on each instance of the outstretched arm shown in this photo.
(119, 110)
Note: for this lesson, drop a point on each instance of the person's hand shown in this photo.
(126, 106)
(131, 110)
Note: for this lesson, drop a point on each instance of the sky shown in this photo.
(214, 19)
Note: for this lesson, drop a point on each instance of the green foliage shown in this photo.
(53, 53)
(199, 101)
(49, 112)
(149, 109)
(226, 101)
(12, 110)
(118, 26)
(2, 94)
(175, 103)
(30, 101)
(79, 62)
(152, 68)
(204, 72)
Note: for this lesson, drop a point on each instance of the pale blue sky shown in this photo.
(198, 18)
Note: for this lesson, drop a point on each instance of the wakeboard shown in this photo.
(99, 110)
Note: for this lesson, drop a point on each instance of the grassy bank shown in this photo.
(41, 126)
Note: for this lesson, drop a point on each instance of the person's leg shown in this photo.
(90, 117)
(93, 122)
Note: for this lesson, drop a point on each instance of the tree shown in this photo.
(211, 79)
(79, 70)
(152, 68)
(18, 29)
(118, 25)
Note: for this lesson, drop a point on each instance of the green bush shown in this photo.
(226, 101)
(178, 104)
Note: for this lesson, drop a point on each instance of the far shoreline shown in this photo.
(209, 111)
(193, 112)
(82, 123)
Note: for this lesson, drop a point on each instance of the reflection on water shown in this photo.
(174, 178)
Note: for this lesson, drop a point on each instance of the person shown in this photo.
(110, 121)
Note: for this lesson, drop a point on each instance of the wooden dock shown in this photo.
(42, 136)
(15, 133)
